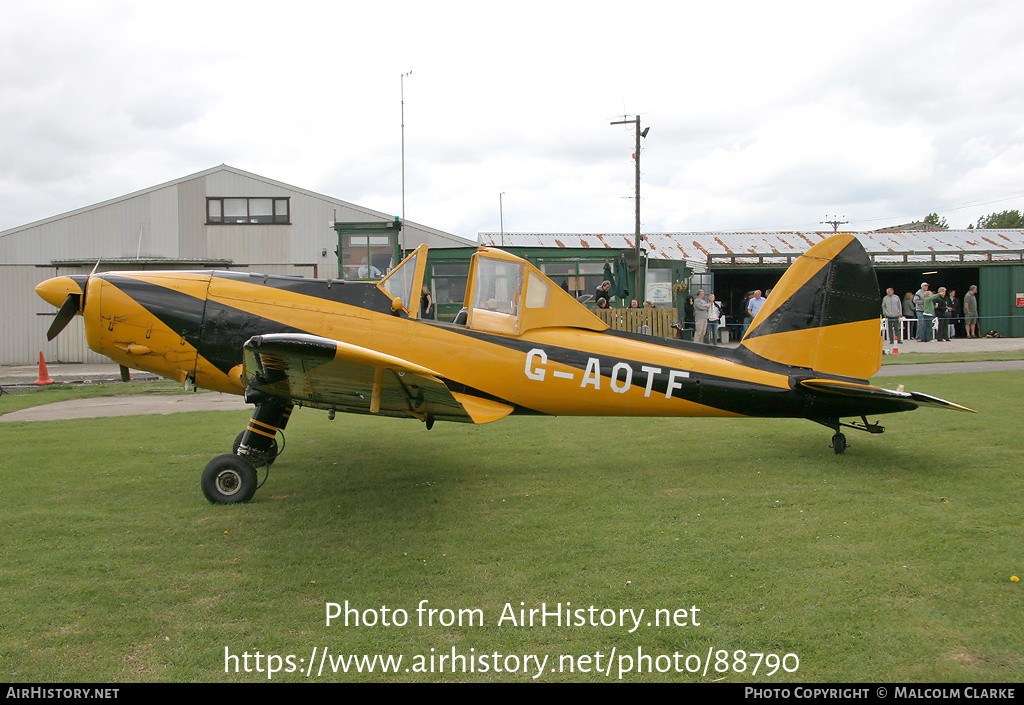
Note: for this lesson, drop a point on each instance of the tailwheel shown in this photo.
(229, 479)
(839, 443)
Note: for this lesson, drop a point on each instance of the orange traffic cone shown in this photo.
(44, 376)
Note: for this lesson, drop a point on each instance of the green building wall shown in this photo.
(453, 262)
(998, 287)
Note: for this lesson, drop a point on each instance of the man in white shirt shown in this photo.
(370, 272)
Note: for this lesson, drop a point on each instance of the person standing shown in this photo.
(742, 318)
(924, 321)
(910, 314)
(928, 304)
(753, 306)
(688, 313)
(892, 308)
(943, 313)
(426, 304)
(714, 317)
(700, 317)
(971, 311)
(956, 309)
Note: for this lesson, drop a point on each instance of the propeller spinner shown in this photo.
(68, 294)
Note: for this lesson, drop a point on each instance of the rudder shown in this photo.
(823, 314)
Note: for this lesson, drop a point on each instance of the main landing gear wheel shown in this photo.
(229, 479)
(839, 443)
(232, 478)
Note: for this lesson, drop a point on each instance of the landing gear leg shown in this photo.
(839, 443)
(271, 454)
(258, 442)
(232, 478)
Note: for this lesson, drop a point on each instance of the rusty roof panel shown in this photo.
(697, 247)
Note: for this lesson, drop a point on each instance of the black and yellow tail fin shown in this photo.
(823, 314)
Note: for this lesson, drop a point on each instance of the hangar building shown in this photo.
(732, 263)
(221, 218)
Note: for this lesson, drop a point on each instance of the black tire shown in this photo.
(839, 443)
(271, 457)
(229, 479)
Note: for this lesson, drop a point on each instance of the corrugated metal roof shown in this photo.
(696, 247)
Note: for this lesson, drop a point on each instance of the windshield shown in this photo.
(400, 282)
(497, 286)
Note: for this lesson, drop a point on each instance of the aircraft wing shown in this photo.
(329, 374)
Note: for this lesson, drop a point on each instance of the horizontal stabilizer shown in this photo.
(869, 391)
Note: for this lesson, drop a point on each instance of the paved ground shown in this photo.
(128, 406)
(945, 368)
(961, 345)
(957, 345)
(207, 401)
(14, 377)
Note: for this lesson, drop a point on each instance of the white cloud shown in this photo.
(761, 114)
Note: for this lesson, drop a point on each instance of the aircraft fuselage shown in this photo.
(190, 326)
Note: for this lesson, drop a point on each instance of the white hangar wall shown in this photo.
(165, 227)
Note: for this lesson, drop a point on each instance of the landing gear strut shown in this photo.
(232, 478)
(839, 444)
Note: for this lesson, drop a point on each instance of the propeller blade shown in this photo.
(72, 304)
(85, 286)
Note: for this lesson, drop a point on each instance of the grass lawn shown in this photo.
(890, 563)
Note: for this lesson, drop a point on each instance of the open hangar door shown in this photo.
(732, 283)
(904, 279)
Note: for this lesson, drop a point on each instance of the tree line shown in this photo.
(992, 221)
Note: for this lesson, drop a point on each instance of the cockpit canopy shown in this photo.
(505, 294)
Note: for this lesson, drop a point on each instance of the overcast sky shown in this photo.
(763, 115)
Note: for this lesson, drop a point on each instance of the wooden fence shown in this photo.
(658, 320)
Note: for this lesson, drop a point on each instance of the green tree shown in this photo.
(934, 219)
(1006, 219)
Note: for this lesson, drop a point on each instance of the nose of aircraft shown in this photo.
(67, 293)
(55, 291)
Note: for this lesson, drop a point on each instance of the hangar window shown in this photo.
(248, 211)
(577, 278)
(368, 256)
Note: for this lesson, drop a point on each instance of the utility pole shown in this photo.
(501, 215)
(835, 223)
(402, 80)
(636, 159)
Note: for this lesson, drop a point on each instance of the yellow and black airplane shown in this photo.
(521, 345)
